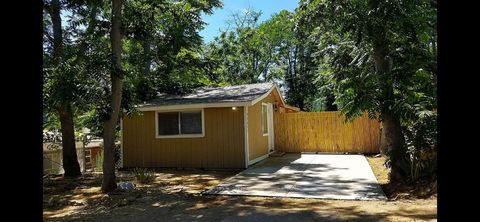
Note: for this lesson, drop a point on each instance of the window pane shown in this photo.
(168, 123)
(264, 119)
(191, 122)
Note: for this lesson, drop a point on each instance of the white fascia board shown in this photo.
(192, 106)
(212, 105)
(245, 127)
(268, 93)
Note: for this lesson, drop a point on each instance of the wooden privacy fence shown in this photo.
(326, 132)
(52, 159)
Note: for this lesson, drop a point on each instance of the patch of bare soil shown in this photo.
(177, 195)
(64, 197)
(419, 190)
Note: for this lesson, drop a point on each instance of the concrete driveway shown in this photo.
(323, 176)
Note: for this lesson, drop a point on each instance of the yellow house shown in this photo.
(221, 127)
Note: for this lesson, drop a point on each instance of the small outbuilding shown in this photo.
(213, 127)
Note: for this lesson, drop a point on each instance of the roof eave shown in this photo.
(194, 106)
(213, 105)
(268, 93)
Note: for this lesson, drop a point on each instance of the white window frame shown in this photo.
(264, 105)
(179, 123)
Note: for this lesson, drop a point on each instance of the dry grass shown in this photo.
(378, 168)
(176, 195)
(66, 196)
(420, 190)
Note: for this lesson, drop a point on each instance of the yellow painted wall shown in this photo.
(258, 144)
(222, 147)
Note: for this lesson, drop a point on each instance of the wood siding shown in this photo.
(325, 132)
(223, 145)
(258, 144)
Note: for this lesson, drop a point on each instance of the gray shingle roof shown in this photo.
(228, 94)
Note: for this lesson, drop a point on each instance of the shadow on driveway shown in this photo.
(323, 176)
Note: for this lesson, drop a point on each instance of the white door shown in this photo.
(270, 127)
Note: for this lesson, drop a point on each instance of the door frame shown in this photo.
(271, 133)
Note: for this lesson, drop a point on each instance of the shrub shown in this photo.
(421, 141)
(144, 176)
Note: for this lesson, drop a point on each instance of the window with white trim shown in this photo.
(179, 124)
(264, 119)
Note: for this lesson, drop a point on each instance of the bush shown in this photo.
(421, 141)
(144, 176)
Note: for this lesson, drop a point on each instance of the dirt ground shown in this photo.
(177, 195)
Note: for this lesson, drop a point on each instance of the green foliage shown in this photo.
(234, 57)
(161, 54)
(89, 120)
(345, 46)
(52, 122)
(144, 176)
(379, 57)
(271, 51)
(72, 81)
(163, 47)
(421, 138)
(325, 56)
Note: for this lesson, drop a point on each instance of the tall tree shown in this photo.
(236, 51)
(162, 45)
(64, 93)
(161, 49)
(302, 89)
(248, 52)
(116, 78)
(375, 52)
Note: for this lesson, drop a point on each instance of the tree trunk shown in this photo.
(393, 144)
(54, 12)
(146, 51)
(392, 140)
(116, 76)
(69, 152)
